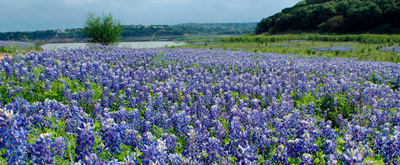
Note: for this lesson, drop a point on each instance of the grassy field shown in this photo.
(361, 50)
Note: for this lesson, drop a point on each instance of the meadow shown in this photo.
(11, 47)
(364, 46)
(110, 105)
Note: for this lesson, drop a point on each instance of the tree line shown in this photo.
(338, 16)
(132, 31)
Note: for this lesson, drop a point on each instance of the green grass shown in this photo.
(201, 38)
(361, 50)
(12, 50)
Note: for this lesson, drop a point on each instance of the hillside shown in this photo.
(338, 16)
(139, 32)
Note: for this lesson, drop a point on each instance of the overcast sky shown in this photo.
(32, 15)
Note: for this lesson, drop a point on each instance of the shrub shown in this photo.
(105, 30)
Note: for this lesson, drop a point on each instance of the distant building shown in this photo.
(60, 30)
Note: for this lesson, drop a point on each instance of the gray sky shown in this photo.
(32, 15)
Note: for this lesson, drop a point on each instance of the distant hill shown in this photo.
(139, 32)
(337, 16)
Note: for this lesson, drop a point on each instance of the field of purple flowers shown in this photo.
(14, 46)
(109, 105)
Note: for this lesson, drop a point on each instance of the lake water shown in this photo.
(148, 44)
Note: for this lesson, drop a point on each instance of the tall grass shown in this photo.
(13, 47)
(365, 46)
(362, 38)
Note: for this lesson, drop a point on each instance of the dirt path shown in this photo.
(3, 54)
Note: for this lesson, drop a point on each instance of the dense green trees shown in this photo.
(363, 15)
(335, 16)
(263, 25)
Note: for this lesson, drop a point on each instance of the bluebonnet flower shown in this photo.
(121, 100)
(111, 135)
(180, 123)
(396, 117)
(329, 146)
(387, 146)
(192, 148)
(202, 96)
(170, 141)
(40, 121)
(146, 126)
(132, 102)
(357, 132)
(85, 141)
(87, 86)
(86, 96)
(373, 122)
(294, 148)
(75, 96)
(175, 159)
(213, 149)
(112, 99)
(154, 153)
(308, 145)
(14, 136)
(97, 109)
(115, 84)
(42, 77)
(311, 108)
(332, 160)
(59, 146)
(247, 155)
(66, 92)
(92, 159)
(40, 151)
(160, 102)
(133, 118)
(130, 137)
(352, 156)
(281, 155)
(11, 92)
(132, 159)
(105, 100)
(262, 138)
(307, 159)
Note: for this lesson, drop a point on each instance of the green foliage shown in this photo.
(105, 30)
(283, 23)
(263, 26)
(332, 24)
(300, 4)
(366, 46)
(15, 48)
(316, 15)
(364, 15)
(340, 16)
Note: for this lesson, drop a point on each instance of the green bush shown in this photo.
(105, 30)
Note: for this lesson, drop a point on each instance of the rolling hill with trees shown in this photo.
(335, 16)
(138, 32)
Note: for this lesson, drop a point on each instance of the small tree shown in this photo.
(104, 31)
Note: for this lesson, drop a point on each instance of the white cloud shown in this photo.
(76, 3)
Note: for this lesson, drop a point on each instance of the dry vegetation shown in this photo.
(2, 55)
